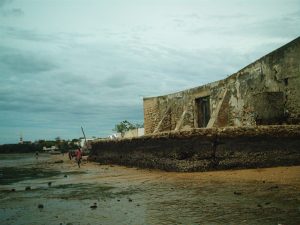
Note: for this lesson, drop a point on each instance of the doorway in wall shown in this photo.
(202, 111)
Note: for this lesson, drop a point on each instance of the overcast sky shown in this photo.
(71, 63)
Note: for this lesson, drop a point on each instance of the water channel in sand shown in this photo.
(104, 194)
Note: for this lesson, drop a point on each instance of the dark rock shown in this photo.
(237, 193)
(118, 200)
(59, 161)
(27, 188)
(40, 206)
(267, 203)
(13, 190)
(259, 205)
(94, 206)
(49, 184)
(273, 187)
(65, 175)
(129, 199)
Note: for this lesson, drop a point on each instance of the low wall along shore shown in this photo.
(205, 149)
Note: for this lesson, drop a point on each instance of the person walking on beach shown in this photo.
(78, 156)
(70, 154)
(37, 155)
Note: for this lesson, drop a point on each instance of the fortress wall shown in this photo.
(205, 149)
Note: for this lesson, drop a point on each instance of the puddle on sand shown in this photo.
(9, 175)
(119, 195)
(248, 203)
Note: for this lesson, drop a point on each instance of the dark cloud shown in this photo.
(17, 61)
(5, 11)
(119, 80)
(4, 2)
(12, 12)
(92, 70)
(28, 34)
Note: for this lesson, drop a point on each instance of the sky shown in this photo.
(71, 63)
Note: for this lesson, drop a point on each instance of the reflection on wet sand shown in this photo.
(101, 194)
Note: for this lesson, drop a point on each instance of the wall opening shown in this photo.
(202, 111)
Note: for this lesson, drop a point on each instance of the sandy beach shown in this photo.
(62, 193)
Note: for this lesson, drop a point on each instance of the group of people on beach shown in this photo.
(78, 156)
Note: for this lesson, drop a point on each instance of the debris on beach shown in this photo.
(273, 187)
(94, 206)
(28, 188)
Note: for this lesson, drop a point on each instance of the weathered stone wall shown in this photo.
(205, 149)
(265, 92)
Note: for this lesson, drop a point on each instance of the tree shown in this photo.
(57, 139)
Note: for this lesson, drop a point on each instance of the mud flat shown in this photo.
(205, 149)
(125, 195)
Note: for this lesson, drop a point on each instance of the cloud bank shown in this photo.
(66, 65)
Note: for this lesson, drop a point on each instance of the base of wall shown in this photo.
(205, 149)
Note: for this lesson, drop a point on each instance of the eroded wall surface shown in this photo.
(265, 92)
(205, 149)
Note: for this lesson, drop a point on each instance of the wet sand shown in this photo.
(109, 194)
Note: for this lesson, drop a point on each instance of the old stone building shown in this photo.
(265, 92)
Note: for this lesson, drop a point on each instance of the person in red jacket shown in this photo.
(78, 156)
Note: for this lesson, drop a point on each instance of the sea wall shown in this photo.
(205, 149)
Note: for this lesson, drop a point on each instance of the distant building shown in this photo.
(86, 144)
(52, 148)
(115, 136)
(137, 132)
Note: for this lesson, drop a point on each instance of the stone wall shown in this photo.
(205, 149)
(265, 92)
